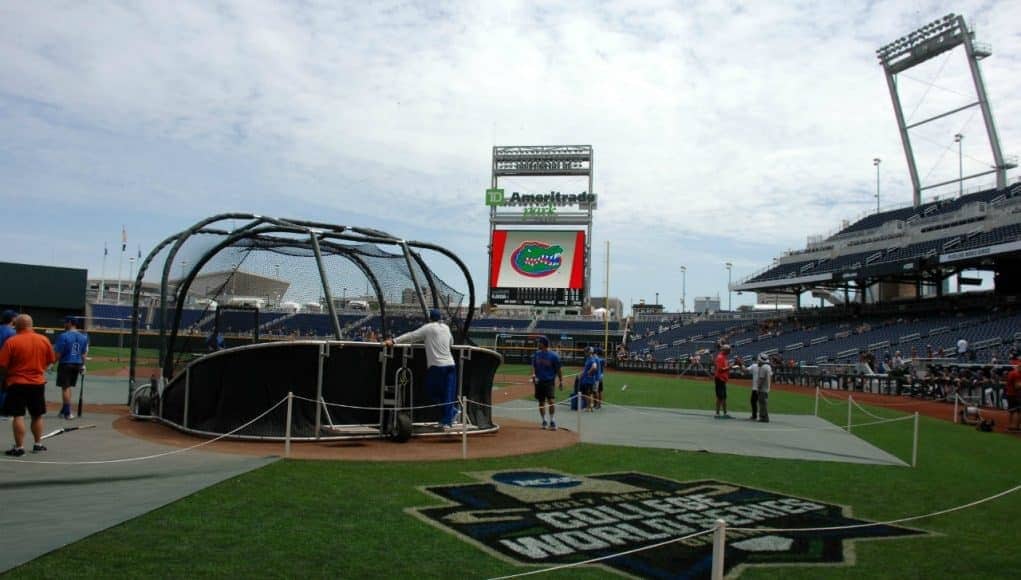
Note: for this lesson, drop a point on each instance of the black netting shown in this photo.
(227, 390)
(238, 279)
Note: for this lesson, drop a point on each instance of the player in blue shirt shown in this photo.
(545, 368)
(71, 347)
(598, 391)
(589, 377)
(6, 331)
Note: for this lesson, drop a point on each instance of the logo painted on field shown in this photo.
(542, 517)
(536, 259)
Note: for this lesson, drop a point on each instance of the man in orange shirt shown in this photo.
(23, 362)
(1013, 400)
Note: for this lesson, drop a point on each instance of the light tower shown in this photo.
(919, 46)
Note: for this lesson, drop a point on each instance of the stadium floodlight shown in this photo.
(919, 46)
(684, 287)
(876, 162)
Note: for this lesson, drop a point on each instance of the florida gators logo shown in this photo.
(536, 259)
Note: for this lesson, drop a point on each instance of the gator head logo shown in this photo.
(542, 517)
(536, 259)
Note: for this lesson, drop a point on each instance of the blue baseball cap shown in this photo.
(8, 316)
(542, 340)
(434, 314)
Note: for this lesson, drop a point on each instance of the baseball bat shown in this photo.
(81, 391)
(65, 430)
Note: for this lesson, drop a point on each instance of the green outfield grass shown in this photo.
(347, 519)
(121, 353)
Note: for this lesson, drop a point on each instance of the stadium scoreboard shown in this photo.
(539, 252)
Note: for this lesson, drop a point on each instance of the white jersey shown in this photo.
(762, 377)
(437, 339)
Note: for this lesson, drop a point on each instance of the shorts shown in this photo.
(586, 388)
(22, 397)
(67, 374)
(599, 386)
(1013, 402)
(544, 390)
(721, 389)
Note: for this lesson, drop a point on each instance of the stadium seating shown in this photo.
(843, 340)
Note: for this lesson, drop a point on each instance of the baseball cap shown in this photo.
(434, 314)
(542, 340)
(763, 358)
(7, 316)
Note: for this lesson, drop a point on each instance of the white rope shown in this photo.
(828, 400)
(889, 522)
(360, 408)
(602, 558)
(866, 411)
(157, 455)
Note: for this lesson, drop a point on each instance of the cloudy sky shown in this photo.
(723, 131)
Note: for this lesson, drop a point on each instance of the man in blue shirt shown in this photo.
(546, 368)
(6, 331)
(71, 347)
(588, 378)
(598, 391)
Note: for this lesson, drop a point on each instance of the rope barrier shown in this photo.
(889, 522)
(864, 410)
(361, 408)
(828, 400)
(604, 558)
(157, 455)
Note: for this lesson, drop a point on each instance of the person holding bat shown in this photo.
(71, 347)
(23, 362)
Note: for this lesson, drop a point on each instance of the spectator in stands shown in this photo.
(23, 362)
(962, 349)
(441, 375)
(72, 346)
(546, 368)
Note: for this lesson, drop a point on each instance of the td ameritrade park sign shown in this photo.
(544, 518)
(540, 204)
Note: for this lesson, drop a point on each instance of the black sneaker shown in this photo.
(15, 451)
(38, 447)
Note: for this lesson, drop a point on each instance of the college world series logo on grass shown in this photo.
(545, 518)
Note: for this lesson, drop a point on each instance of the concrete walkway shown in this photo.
(784, 437)
(48, 506)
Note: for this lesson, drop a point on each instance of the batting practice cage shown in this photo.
(243, 309)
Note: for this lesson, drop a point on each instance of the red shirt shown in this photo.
(722, 367)
(1010, 388)
(26, 356)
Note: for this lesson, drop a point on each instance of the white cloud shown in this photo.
(726, 121)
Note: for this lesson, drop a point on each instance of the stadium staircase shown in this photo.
(363, 321)
(265, 327)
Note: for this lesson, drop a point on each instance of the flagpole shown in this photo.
(102, 275)
(120, 261)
